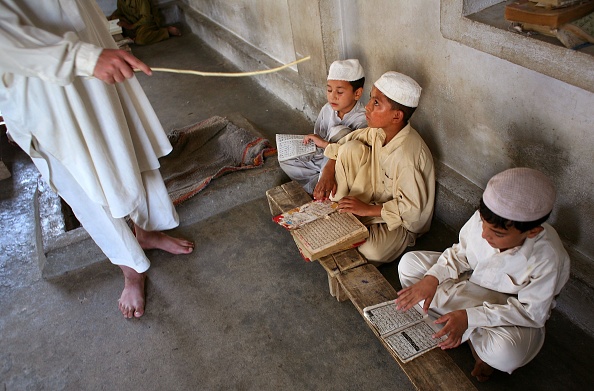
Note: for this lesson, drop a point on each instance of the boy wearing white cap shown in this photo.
(496, 287)
(341, 115)
(384, 174)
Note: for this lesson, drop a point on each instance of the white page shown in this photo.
(290, 146)
(408, 333)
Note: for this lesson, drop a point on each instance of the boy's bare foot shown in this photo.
(173, 31)
(158, 240)
(482, 371)
(131, 303)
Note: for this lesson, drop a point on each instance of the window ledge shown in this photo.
(572, 67)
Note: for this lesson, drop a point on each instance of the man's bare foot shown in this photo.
(158, 240)
(131, 303)
(173, 31)
(482, 371)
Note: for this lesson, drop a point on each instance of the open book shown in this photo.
(406, 333)
(290, 146)
(319, 229)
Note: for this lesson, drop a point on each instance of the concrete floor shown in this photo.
(242, 312)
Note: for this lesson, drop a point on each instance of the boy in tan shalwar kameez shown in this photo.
(384, 174)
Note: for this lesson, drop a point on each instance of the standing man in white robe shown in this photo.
(71, 101)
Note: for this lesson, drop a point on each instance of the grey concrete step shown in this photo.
(61, 251)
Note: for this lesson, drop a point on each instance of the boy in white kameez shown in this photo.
(71, 101)
(384, 174)
(341, 115)
(496, 287)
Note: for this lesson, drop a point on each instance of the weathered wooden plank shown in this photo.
(278, 200)
(349, 259)
(296, 193)
(329, 264)
(286, 197)
(435, 370)
(366, 286)
(336, 289)
(524, 11)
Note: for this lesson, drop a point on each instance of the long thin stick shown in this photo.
(223, 74)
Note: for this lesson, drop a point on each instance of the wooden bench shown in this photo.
(290, 195)
(351, 277)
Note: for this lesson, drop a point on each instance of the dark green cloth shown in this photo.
(145, 20)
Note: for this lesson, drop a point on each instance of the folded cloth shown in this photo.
(207, 150)
(578, 32)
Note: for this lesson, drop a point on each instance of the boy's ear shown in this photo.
(358, 93)
(398, 116)
(535, 231)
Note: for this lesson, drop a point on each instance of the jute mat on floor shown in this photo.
(209, 149)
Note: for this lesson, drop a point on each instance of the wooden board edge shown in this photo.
(427, 372)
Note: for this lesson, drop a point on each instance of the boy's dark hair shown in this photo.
(504, 223)
(408, 111)
(357, 84)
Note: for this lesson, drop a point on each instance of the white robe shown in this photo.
(508, 296)
(105, 135)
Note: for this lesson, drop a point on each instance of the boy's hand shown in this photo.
(422, 290)
(358, 207)
(326, 186)
(318, 141)
(115, 66)
(125, 24)
(456, 323)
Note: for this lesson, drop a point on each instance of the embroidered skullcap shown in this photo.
(400, 88)
(347, 70)
(520, 194)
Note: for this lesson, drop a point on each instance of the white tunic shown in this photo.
(105, 135)
(531, 274)
(328, 121)
(306, 169)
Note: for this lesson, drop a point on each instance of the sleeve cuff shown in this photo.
(440, 272)
(331, 151)
(476, 317)
(87, 56)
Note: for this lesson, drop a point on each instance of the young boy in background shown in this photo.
(384, 174)
(342, 114)
(142, 22)
(497, 286)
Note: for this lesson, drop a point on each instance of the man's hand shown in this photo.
(326, 186)
(318, 141)
(115, 66)
(456, 323)
(422, 290)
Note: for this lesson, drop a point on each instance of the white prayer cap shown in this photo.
(348, 70)
(400, 88)
(520, 194)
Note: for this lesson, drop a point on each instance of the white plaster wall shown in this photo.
(265, 24)
(107, 6)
